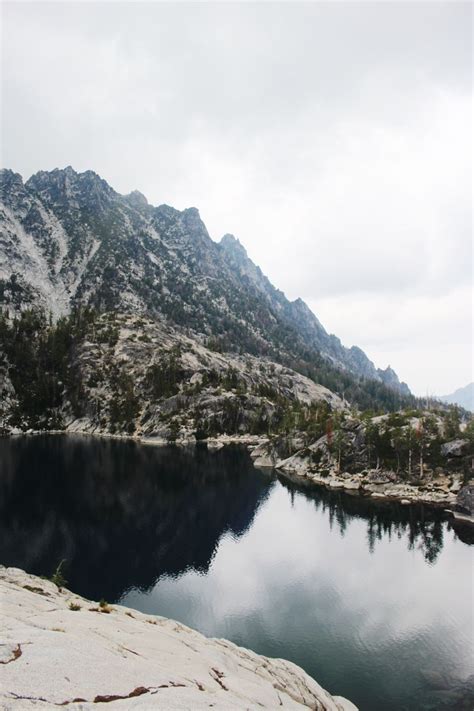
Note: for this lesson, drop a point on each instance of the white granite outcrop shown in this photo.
(59, 649)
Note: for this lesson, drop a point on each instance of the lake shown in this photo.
(372, 599)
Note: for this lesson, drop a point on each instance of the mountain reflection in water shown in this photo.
(118, 513)
(121, 514)
(370, 598)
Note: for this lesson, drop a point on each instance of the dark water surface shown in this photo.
(373, 600)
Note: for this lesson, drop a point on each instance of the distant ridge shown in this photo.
(464, 397)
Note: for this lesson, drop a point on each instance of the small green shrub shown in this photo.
(58, 578)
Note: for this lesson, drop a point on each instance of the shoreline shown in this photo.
(372, 484)
(409, 496)
(213, 442)
(61, 649)
(353, 484)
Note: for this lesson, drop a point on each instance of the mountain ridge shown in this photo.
(463, 396)
(70, 239)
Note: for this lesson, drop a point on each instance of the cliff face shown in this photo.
(68, 239)
(59, 648)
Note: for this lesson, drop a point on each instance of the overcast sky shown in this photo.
(333, 139)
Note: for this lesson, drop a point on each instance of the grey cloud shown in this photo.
(333, 138)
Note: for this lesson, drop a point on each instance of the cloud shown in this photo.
(291, 559)
(428, 338)
(333, 139)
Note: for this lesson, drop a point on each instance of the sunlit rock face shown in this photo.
(68, 238)
(59, 648)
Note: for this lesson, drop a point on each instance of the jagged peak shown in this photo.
(65, 186)
(8, 178)
(72, 196)
(357, 351)
(44, 175)
(390, 378)
(8, 173)
(388, 373)
(303, 308)
(137, 198)
(301, 305)
(170, 211)
(229, 239)
(192, 220)
(191, 212)
(69, 176)
(167, 210)
(232, 244)
(11, 186)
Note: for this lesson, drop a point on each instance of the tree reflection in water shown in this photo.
(420, 525)
(122, 514)
(206, 538)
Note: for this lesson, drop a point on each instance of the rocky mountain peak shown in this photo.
(137, 199)
(69, 239)
(390, 378)
(195, 228)
(302, 308)
(11, 187)
(236, 256)
(65, 187)
(9, 178)
(167, 211)
(192, 219)
(233, 245)
(462, 396)
(192, 212)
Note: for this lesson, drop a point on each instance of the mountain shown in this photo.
(464, 397)
(121, 373)
(68, 240)
(298, 313)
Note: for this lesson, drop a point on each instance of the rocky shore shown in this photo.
(445, 490)
(59, 649)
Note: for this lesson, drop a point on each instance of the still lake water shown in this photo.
(373, 600)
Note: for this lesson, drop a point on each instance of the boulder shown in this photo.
(455, 448)
(380, 476)
(265, 461)
(260, 450)
(465, 500)
(352, 484)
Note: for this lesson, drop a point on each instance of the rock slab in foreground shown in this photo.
(51, 655)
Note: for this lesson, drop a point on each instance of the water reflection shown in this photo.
(371, 599)
(121, 515)
(422, 527)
